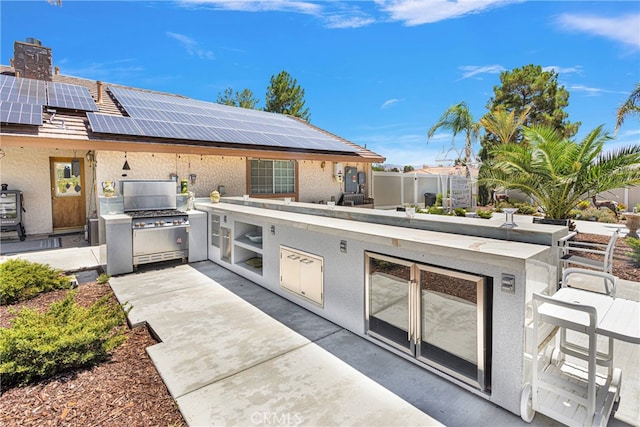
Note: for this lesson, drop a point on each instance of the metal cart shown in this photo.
(568, 391)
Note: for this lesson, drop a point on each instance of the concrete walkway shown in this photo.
(225, 362)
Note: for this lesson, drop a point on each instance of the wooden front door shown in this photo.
(67, 192)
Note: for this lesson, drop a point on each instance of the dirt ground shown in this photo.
(623, 266)
(127, 390)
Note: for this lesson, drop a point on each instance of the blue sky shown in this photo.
(379, 73)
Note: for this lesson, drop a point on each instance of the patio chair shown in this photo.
(572, 253)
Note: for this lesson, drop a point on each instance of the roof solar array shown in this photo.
(25, 114)
(24, 91)
(174, 117)
(73, 97)
(37, 93)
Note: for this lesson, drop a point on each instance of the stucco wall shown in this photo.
(315, 182)
(28, 170)
(210, 171)
(318, 184)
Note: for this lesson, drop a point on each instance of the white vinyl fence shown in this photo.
(394, 189)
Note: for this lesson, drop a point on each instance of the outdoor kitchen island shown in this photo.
(454, 304)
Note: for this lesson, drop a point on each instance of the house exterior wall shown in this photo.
(317, 183)
(210, 171)
(27, 169)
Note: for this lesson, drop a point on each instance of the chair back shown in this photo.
(609, 279)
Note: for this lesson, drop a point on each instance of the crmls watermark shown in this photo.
(276, 418)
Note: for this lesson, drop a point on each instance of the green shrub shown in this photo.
(103, 278)
(67, 336)
(584, 204)
(635, 247)
(484, 214)
(21, 280)
(600, 215)
(439, 199)
(437, 210)
(459, 211)
(526, 208)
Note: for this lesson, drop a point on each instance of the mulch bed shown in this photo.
(623, 265)
(125, 391)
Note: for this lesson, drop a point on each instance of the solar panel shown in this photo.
(106, 123)
(52, 94)
(175, 117)
(25, 114)
(23, 91)
(63, 95)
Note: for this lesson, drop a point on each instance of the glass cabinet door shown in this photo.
(389, 283)
(440, 316)
(451, 320)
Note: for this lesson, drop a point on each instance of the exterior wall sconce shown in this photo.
(192, 178)
(125, 167)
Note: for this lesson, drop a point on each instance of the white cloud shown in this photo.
(388, 103)
(342, 21)
(592, 91)
(191, 46)
(473, 70)
(563, 70)
(305, 7)
(624, 29)
(417, 12)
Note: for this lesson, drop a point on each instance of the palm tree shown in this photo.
(503, 124)
(558, 172)
(458, 118)
(629, 107)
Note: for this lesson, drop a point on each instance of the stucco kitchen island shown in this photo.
(454, 304)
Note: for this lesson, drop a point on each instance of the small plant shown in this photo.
(485, 214)
(103, 278)
(438, 199)
(67, 336)
(621, 207)
(459, 211)
(21, 280)
(598, 215)
(635, 247)
(525, 208)
(437, 210)
(583, 205)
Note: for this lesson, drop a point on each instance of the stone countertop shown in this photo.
(393, 235)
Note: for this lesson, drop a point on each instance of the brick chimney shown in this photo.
(32, 61)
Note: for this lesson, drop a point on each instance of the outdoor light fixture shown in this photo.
(125, 167)
(509, 217)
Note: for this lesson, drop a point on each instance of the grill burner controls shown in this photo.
(153, 219)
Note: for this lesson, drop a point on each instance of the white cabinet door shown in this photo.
(302, 273)
(311, 278)
(290, 270)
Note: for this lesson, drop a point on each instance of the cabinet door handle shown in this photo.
(306, 261)
(215, 234)
(293, 257)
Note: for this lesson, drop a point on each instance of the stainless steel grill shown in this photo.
(160, 231)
